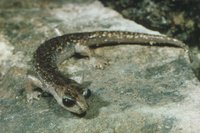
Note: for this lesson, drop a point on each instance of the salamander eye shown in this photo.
(68, 101)
(87, 93)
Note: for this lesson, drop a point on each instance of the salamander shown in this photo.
(67, 92)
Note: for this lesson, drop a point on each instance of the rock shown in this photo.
(144, 89)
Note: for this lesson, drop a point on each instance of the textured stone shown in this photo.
(144, 89)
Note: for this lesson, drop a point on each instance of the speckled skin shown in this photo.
(47, 56)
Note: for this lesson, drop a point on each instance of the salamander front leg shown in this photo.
(31, 84)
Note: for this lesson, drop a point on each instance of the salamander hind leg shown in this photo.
(95, 60)
(99, 62)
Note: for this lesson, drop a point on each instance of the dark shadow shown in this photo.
(95, 103)
(195, 65)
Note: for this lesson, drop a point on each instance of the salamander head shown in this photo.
(73, 99)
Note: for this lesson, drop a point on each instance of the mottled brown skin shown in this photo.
(55, 50)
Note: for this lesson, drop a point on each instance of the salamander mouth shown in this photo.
(81, 114)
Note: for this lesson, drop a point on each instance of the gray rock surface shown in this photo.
(144, 89)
